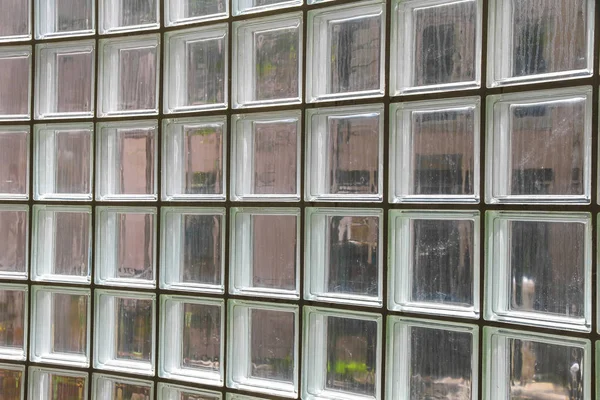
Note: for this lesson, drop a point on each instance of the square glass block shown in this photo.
(167, 391)
(179, 12)
(12, 381)
(434, 262)
(65, 80)
(62, 243)
(195, 69)
(538, 269)
(118, 387)
(343, 256)
(15, 21)
(126, 160)
(51, 384)
(263, 348)
(343, 356)
(525, 134)
(194, 159)
(63, 162)
(346, 51)
(428, 360)
(193, 249)
(59, 18)
(264, 252)
(192, 344)
(255, 6)
(125, 331)
(521, 365)
(126, 246)
(61, 326)
(128, 75)
(436, 45)
(235, 396)
(344, 155)
(13, 319)
(267, 61)
(435, 151)
(14, 162)
(15, 82)
(266, 156)
(14, 238)
(129, 15)
(534, 41)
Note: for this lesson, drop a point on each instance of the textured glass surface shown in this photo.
(179, 12)
(117, 388)
(15, 83)
(57, 18)
(130, 15)
(15, 21)
(169, 392)
(253, 6)
(11, 381)
(14, 162)
(13, 319)
(50, 384)
(14, 227)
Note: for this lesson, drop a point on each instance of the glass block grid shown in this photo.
(299, 199)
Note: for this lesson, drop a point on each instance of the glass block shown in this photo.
(50, 384)
(526, 131)
(131, 15)
(168, 391)
(126, 246)
(63, 162)
(344, 156)
(15, 83)
(431, 360)
(235, 396)
(195, 69)
(11, 381)
(343, 256)
(346, 52)
(13, 320)
(192, 346)
(435, 151)
(61, 326)
(61, 243)
(128, 75)
(179, 12)
(343, 355)
(255, 6)
(193, 243)
(521, 365)
(263, 348)
(538, 269)
(126, 160)
(534, 41)
(194, 159)
(15, 21)
(267, 61)
(434, 262)
(118, 387)
(266, 156)
(14, 238)
(58, 18)
(264, 252)
(14, 162)
(436, 46)
(125, 331)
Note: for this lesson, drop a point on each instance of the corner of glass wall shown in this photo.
(15, 83)
(12, 383)
(167, 391)
(125, 16)
(14, 241)
(64, 18)
(14, 301)
(118, 387)
(44, 384)
(256, 6)
(538, 269)
(15, 21)
(181, 12)
(434, 262)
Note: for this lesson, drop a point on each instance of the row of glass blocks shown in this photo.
(342, 352)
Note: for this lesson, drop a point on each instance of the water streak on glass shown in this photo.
(135, 246)
(276, 60)
(69, 324)
(201, 249)
(201, 337)
(205, 71)
(14, 19)
(203, 159)
(137, 12)
(12, 318)
(13, 241)
(11, 383)
(199, 8)
(73, 15)
(272, 345)
(137, 78)
(133, 329)
(14, 83)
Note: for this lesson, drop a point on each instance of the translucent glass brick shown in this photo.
(434, 262)
(344, 155)
(538, 269)
(59, 18)
(168, 391)
(126, 160)
(436, 45)
(192, 332)
(15, 21)
(267, 61)
(15, 83)
(194, 159)
(430, 360)
(118, 387)
(346, 51)
(14, 238)
(265, 252)
(50, 384)
(255, 6)
(526, 132)
(14, 162)
(125, 246)
(61, 243)
(343, 356)
(128, 75)
(531, 41)
(63, 162)
(435, 151)
(13, 319)
(122, 16)
(193, 243)
(521, 365)
(124, 331)
(61, 326)
(65, 80)
(266, 156)
(179, 12)
(11, 381)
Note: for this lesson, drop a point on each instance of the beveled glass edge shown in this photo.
(96, 376)
(211, 394)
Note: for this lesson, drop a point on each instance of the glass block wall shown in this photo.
(270, 199)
